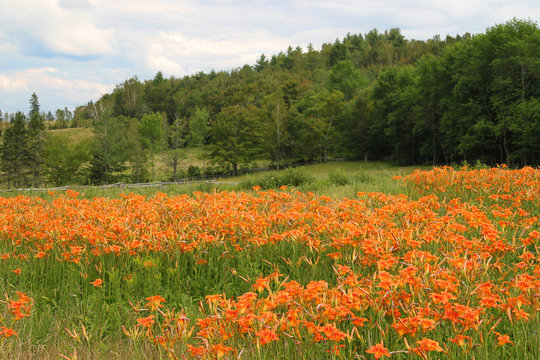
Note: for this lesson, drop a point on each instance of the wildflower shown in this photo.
(196, 350)
(154, 302)
(7, 332)
(147, 264)
(97, 283)
(334, 255)
(333, 333)
(221, 350)
(359, 321)
(266, 335)
(461, 340)
(260, 284)
(21, 307)
(146, 321)
(428, 345)
(502, 339)
(213, 299)
(161, 340)
(378, 351)
(520, 314)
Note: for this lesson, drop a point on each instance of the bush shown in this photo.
(295, 177)
(193, 171)
(339, 177)
(276, 179)
(362, 178)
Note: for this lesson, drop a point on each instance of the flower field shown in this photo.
(448, 271)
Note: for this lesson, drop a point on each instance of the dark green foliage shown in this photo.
(21, 151)
(395, 95)
(36, 141)
(64, 161)
(111, 148)
(14, 152)
(198, 125)
(373, 96)
(193, 171)
(34, 105)
(236, 137)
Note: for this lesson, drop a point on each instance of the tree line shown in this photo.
(372, 96)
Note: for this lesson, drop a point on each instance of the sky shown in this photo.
(70, 52)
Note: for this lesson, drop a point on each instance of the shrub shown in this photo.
(276, 179)
(362, 178)
(339, 177)
(193, 171)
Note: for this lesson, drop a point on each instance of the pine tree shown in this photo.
(34, 105)
(14, 152)
(36, 143)
(36, 140)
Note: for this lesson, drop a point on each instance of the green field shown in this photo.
(337, 179)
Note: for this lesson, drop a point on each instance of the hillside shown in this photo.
(374, 96)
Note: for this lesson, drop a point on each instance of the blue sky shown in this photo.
(71, 51)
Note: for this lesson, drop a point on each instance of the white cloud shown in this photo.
(82, 39)
(169, 67)
(6, 46)
(75, 4)
(222, 46)
(43, 27)
(51, 83)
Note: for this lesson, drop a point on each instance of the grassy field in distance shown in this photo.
(74, 134)
(338, 179)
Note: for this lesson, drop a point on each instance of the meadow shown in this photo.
(341, 261)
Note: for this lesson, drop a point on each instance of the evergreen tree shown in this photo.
(261, 63)
(49, 117)
(36, 141)
(34, 105)
(14, 152)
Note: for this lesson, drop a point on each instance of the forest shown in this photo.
(376, 96)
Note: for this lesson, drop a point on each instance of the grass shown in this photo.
(75, 134)
(359, 177)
